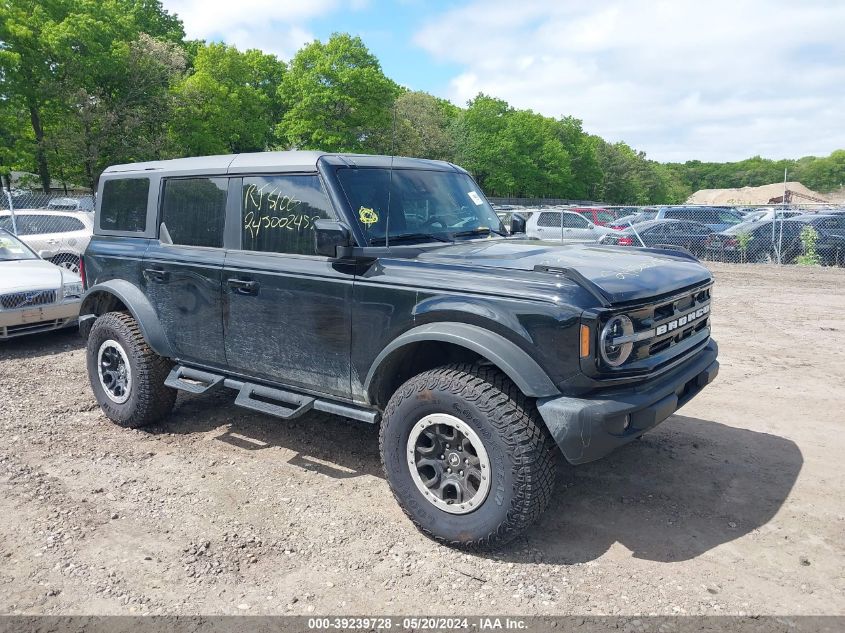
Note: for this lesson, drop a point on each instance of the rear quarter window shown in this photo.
(124, 205)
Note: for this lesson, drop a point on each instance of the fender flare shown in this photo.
(139, 307)
(516, 364)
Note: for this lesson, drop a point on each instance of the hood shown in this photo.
(32, 274)
(618, 275)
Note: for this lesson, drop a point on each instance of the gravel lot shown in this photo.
(735, 506)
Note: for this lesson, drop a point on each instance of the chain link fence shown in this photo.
(57, 226)
(809, 234)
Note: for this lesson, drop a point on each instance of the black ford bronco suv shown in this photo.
(388, 291)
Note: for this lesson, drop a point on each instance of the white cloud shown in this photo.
(720, 80)
(274, 26)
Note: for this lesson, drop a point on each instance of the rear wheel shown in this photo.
(466, 456)
(127, 377)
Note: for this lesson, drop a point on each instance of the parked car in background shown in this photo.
(769, 214)
(83, 203)
(717, 218)
(691, 236)
(564, 226)
(35, 296)
(830, 229)
(598, 215)
(58, 236)
(625, 221)
(764, 241)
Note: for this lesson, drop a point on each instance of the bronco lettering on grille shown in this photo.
(682, 321)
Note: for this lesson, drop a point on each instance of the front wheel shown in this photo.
(68, 261)
(466, 456)
(127, 377)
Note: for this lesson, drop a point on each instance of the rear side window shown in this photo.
(278, 213)
(549, 219)
(194, 210)
(124, 206)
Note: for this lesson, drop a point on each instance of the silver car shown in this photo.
(35, 295)
(58, 236)
(564, 226)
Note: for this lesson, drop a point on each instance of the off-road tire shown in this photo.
(522, 454)
(149, 399)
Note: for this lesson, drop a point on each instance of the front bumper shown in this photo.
(590, 427)
(29, 320)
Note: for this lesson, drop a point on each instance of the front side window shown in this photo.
(416, 204)
(574, 221)
(279, 212)
(124, 206)
(194, 210)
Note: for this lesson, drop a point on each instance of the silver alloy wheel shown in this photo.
(114, 371)
(448, 463)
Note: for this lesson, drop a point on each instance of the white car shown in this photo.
(57, 236)
(768, 214)
(564, 226)
(35, 295)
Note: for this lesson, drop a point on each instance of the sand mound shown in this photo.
(755, 195)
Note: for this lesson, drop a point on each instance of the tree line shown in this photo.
(89, 83)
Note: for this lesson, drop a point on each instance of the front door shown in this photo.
(576, 228)
(183, 269)
(287, 311)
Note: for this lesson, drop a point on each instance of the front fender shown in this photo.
(136, 302)
(504, 354)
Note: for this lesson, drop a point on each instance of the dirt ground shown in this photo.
(734, 506)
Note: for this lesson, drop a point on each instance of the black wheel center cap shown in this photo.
(454, 459)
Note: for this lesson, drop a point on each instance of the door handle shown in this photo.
(157, 274)
(244, 286)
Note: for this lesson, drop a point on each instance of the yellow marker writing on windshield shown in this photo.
(367, 216)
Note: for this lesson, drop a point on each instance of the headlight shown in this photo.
(73, 289)
(612, 352)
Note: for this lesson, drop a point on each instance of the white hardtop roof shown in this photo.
(229, 163)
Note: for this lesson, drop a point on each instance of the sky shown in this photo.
(718, 80)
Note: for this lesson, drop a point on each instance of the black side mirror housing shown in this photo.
(517, 224)
(332, 239)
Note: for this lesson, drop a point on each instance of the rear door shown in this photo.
(182, 272)
(287, 311)
(548, 225)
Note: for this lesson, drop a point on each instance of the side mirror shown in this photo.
(332, 238)
(591, 226)
(517, 224)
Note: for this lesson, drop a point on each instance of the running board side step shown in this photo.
(286, 405)
(193, 380)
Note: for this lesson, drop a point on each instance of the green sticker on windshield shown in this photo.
(10, 245)
(367, 216)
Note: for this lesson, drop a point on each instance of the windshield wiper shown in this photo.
(404, 237)
(481, 230)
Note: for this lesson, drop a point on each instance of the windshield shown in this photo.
(12, 249)
(422, 205)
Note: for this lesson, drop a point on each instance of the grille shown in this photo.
(660, 335)
(27, 298)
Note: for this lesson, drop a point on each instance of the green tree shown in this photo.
(423, 126)
(584, 160)
(53, 51)
(228, 104)
(336, 98)
(124, 121)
